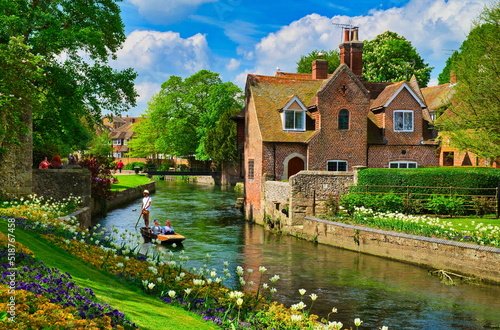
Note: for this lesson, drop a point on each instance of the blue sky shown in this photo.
(239, 37)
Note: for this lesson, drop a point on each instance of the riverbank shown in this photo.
(480, 262)
(145, 311)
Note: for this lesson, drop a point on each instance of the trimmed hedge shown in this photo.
(466, 177)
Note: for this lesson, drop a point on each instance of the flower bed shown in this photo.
(424, 226)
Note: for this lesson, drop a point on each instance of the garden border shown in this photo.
(482, 262)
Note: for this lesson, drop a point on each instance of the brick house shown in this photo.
(120, 132)
(438, 99)
(322, 122)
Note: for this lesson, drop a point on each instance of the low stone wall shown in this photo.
(463, 258)
(59, 184)
(83, 216)
(122, 197)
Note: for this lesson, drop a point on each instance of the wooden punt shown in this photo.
(164, 239)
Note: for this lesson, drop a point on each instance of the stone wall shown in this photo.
(310, 190)
(463, 258)
(59, 184)
(306, 194)
(123, 197)
(15, 166)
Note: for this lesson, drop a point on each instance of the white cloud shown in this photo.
(167, 11)
(233, 64)
(430, 25)
(157, 55)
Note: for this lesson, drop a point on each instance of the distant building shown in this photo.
(120, 131)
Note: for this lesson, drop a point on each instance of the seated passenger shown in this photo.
(157, 230)
(168, 229)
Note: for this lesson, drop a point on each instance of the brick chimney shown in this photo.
(319, 69)
(453, 78)
(351, 51)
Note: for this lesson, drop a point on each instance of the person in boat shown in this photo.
(168, 229)
(146, 204)
(157, 230)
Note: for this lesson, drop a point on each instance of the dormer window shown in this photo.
(403, 121)
(295, 120)
(293, 115)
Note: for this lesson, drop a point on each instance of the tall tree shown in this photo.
(332, 56)
(444, 76)
(184, 110)
(390, 57)
(76, 38)
(473, 120)
(143, 144)
(221, 141)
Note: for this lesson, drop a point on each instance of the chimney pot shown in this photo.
(346, 35)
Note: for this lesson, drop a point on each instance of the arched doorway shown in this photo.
(295, 165)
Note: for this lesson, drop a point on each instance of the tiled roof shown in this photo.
(386, 95)
(439, 96)
(270, 94)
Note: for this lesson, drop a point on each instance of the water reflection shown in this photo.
(379, 291)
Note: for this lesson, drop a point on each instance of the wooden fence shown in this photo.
(422, 194)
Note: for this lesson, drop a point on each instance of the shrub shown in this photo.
(482, 205)
(332, 205)
(388, 203)
(130, 166)
(446, 205)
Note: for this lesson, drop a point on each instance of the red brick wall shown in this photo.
(379, 156)
(332, 143)
(253, 151)
(404, 101)
(275, 154)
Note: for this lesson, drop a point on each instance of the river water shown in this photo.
(376, 290)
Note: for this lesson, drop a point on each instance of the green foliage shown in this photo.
(19, 72)
(446, 205)
(390, 57)
(473, 120)
(466, 177)
(483, 205)
(444, 76)
(132, 165)
(184, 111)
(143, 144)
(304, 65)
(379, 202)
(101, 146)
(221, 141)
(76, 40)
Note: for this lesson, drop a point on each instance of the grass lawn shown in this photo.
(464, 223)
(129, 181)
(145, 311)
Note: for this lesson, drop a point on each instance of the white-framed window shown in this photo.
(117, 142)
(117, 154)
(336, 165)
(294, 120)
(403, 164)
(403, 121)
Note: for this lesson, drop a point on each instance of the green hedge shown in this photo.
(466, 177)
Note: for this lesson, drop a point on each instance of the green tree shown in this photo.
(390, 57)
(184, 110)
(143, 144)
(444, 76)
(19, 72)
(332, 56)
(76, 39)
(221, 141)
(473, 120)
(101, 146)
